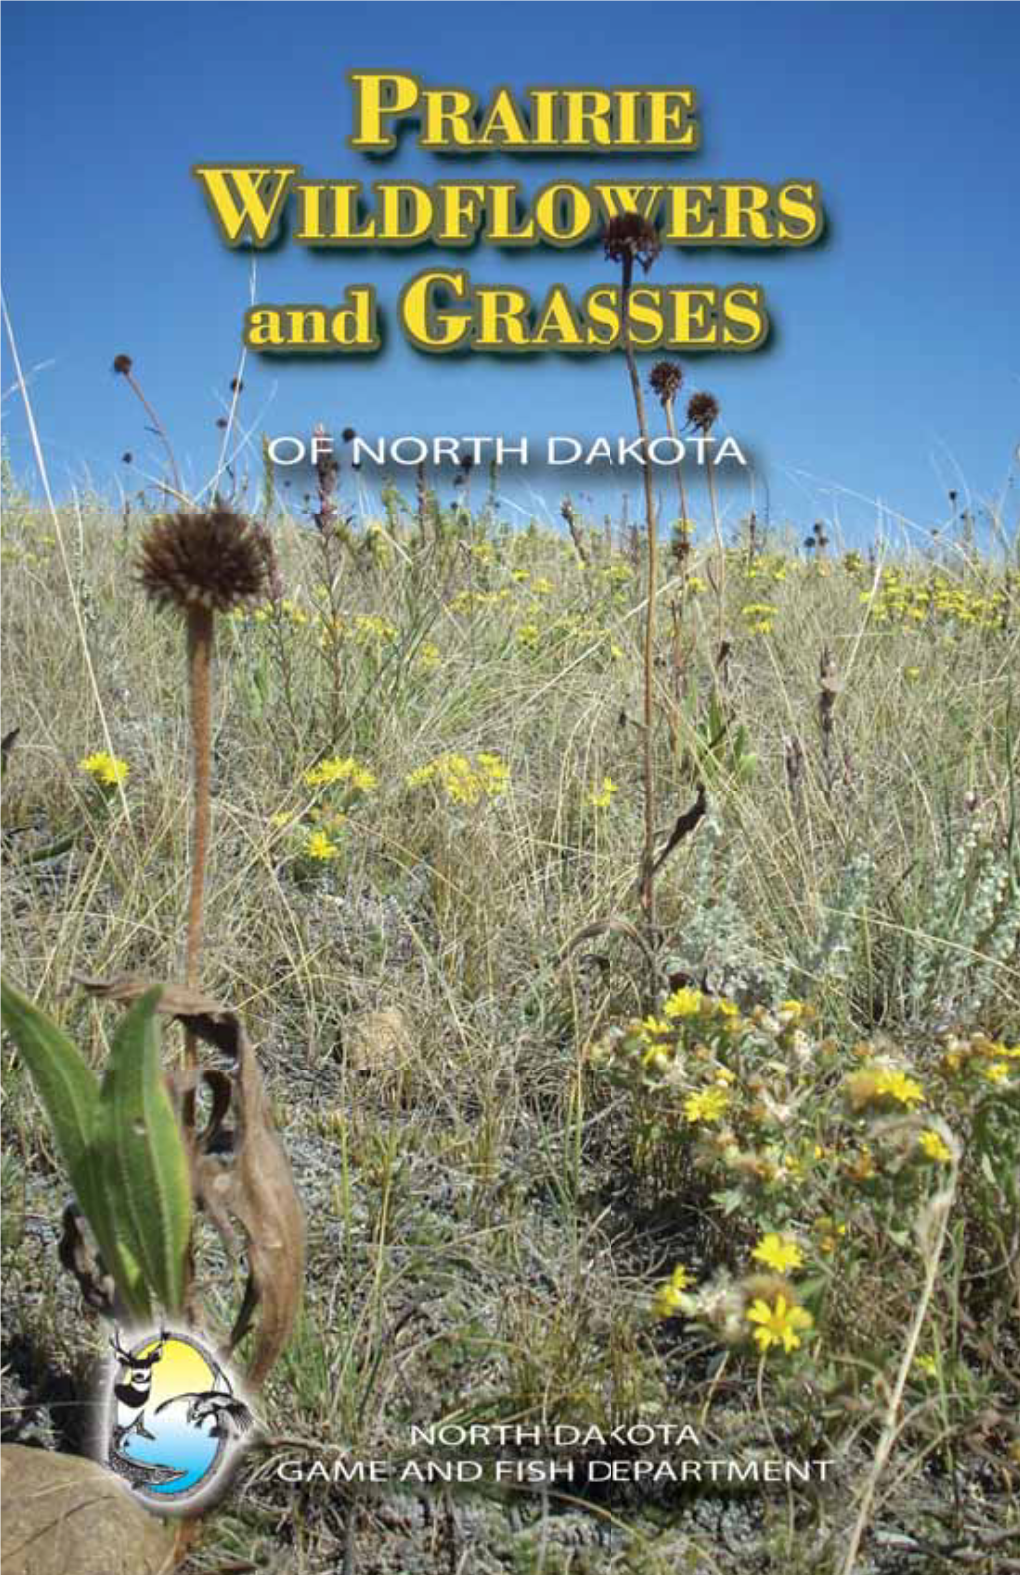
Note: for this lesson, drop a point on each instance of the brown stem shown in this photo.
(200, 649)
(671, 428)
(648, 857)
(720, 588)
(136, 387)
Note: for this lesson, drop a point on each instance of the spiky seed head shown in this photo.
(127, 458)
(122, 364)
(348, 435)
(236, 386)
(702, 411)
(218, 560)
(666, 379)
(629, 235)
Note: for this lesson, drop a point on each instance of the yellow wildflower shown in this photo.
(669, 1297)
(319, 846)
(708, 1105)
(600, 798)
(778, 1324)
(107, 769)
(896, 1084)
(684, 1003)
(935, 1146)
(339, 769)
(780, 1253)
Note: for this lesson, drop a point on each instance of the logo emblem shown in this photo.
(174, 1421)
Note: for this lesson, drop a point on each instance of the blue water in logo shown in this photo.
(185, 1446)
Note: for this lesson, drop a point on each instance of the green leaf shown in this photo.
(68, 1089)
(70, 1094)
(145, 1163)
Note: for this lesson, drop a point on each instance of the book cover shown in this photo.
(511, 900)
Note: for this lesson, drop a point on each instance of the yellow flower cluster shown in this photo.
(898, 599)
(707, 1105)
(761, 617)
(104, 768)
(770, 566)
(469, 601)
(463, 780)
(935, 1147)
(987, 1058)
(287, 609)
(361, 629)
(340, 769)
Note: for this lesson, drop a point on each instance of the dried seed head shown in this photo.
(122, 364)
(219, 561)
(666, 379)
(702, 411)
(127, 458)
(236, 386)
(348, 435)
(628, 235)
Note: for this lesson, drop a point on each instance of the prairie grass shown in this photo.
(413, 830)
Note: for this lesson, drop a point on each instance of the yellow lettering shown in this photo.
(378, 96)
(235, 195)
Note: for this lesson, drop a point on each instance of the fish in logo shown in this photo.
(174, 1420)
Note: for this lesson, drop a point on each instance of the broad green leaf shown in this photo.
(145, 1163)
(70, 1094)
(68, 1089)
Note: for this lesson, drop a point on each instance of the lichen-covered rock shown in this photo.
(64, 1515)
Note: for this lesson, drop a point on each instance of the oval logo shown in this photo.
(174, 1420)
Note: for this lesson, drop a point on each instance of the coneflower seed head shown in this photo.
(666, 378)
(628, 235)
(218, 560)
(702, 411)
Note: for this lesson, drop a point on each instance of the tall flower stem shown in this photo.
(201, 565)
(122, 365)
(720, 589)
(200, 648)
(200, 652)
(671, 429)
(648, 856)
(702, 413)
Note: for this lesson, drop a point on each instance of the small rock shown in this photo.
(380, 1042)
(65, 1516)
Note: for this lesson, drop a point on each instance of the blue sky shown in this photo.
(894, 369)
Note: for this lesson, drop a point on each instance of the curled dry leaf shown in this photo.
(79, 1256)
(249, 1181)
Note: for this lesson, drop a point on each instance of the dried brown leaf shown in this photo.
(79, 1256)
